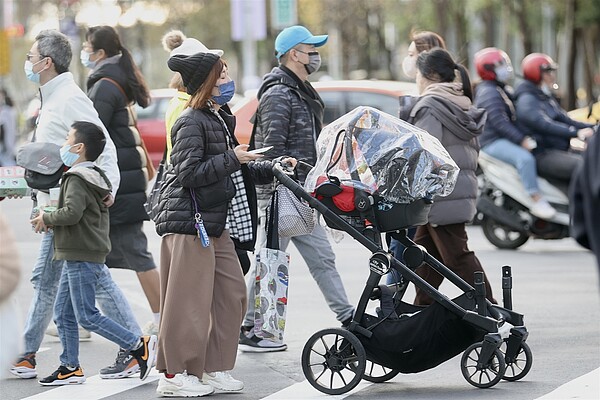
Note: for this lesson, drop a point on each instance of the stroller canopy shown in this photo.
(374, 151)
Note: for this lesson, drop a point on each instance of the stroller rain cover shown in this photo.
(374, 151)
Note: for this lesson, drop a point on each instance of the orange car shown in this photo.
(340, 97)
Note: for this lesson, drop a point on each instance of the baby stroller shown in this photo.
(377, 174)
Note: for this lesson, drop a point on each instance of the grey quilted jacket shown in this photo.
(450, 117)
(284, 120)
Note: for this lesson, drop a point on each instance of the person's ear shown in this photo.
(81, 149)
(100, 54)
(294, 55)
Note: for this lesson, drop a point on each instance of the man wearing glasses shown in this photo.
(62, 103)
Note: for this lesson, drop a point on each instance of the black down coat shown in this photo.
(202, 160)
(114, 114)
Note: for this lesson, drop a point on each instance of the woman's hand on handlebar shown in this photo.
(288, 164)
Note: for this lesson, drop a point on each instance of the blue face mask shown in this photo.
(85, 59)
(227, 91)
(32, 76)
(67, 157)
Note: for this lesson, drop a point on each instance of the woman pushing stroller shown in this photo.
(445, 110)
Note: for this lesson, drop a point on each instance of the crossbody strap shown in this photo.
(127, 102)
(131, 113)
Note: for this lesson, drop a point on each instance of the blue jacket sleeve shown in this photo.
(498, 120)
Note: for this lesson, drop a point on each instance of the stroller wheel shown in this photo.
(520, 365)
(333, 361)
(485, 374)
(378, 373)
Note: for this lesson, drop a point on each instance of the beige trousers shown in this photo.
(202, 302)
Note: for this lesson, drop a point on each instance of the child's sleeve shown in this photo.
(74, 204)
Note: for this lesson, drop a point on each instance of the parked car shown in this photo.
(151, 122)
(340, 97)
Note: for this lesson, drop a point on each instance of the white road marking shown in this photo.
(585, 387)
(304, 391)
(94, 388)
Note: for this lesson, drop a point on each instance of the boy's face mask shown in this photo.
(67, 157)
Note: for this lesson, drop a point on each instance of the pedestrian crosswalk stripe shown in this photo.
(304, 391)
(94, 388)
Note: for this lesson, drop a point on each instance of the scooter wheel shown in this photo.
(502, 236)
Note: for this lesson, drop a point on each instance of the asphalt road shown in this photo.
(556, 287)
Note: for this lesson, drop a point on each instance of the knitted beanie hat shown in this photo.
(194, 69)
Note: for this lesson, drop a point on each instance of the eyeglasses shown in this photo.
(29, 56)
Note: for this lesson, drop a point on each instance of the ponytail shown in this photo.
(135, 79)
(466, 81)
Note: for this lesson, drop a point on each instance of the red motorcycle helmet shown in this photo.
(534, 64)
(486, 61)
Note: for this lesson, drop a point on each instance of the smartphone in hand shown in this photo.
(261, 150)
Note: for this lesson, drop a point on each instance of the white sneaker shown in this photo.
(222, 380)
(182, 385)
(83, 334)
(542, 209)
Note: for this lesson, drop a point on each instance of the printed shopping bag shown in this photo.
(271, 284)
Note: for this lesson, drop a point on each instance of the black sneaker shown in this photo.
(145, 354)
(250, 343)
(64, 376)
(125, 365)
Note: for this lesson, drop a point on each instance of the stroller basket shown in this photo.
(418, 342)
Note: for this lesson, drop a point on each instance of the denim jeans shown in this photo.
(320, 259)
(45, 278)
(519, 157)
(76, 304)
(397, 250)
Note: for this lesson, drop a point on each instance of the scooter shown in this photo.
(503, 206)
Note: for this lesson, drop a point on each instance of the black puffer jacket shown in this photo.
(284, 120)
(112, 109)
(202, 160)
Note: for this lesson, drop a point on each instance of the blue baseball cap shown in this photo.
(294, 35)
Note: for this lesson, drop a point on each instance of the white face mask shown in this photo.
(409, 67)
(28, 68)
(546, 89)
(84, 56)
(503, 73)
